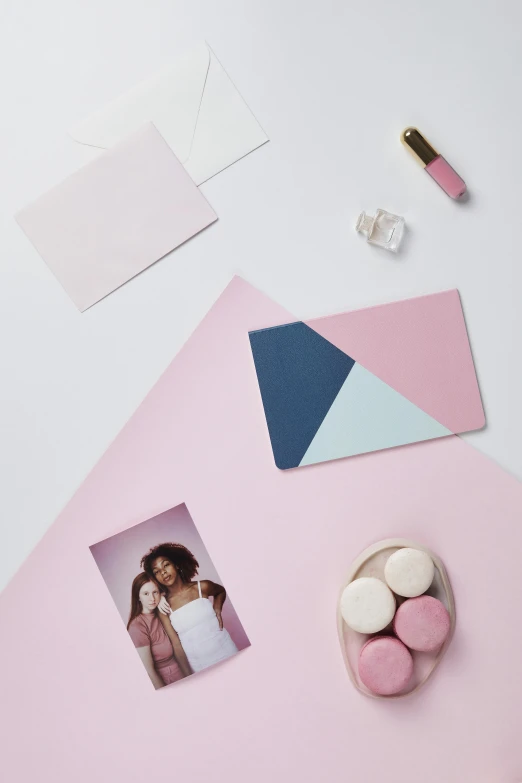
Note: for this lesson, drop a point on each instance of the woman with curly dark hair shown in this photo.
(190, 615)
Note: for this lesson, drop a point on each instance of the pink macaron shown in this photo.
(422, 623)
(385, 665)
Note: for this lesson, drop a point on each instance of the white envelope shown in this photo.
(195, 107)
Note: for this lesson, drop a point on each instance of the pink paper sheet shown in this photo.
(116, 216)
(76, 704)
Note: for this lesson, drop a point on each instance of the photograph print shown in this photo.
(170, 596)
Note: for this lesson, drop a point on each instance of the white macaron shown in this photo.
(409, 572)
(367, 605)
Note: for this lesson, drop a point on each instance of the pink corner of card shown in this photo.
(420, 348)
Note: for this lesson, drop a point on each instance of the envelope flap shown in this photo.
(171, 100)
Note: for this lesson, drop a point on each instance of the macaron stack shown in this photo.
(421, 623)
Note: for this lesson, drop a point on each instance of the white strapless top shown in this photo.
(197, 626)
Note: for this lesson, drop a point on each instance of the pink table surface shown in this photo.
(76, 703)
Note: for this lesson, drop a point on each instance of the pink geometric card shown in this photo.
(116, 216)
(367, 380)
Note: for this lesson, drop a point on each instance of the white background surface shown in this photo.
(333, 83)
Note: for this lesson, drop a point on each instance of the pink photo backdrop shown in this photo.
(76, 707)
(118, 559)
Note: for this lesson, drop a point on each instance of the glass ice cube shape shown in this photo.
(384, 230)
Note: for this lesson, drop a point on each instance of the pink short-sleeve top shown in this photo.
(146, 630)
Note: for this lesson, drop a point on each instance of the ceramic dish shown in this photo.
(371, 562)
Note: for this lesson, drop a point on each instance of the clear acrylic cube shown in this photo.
(384, 229)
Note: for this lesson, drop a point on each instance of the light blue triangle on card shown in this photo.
(368, 415)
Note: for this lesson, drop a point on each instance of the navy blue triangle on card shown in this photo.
(300, 374)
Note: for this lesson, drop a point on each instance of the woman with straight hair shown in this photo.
(163, 658)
